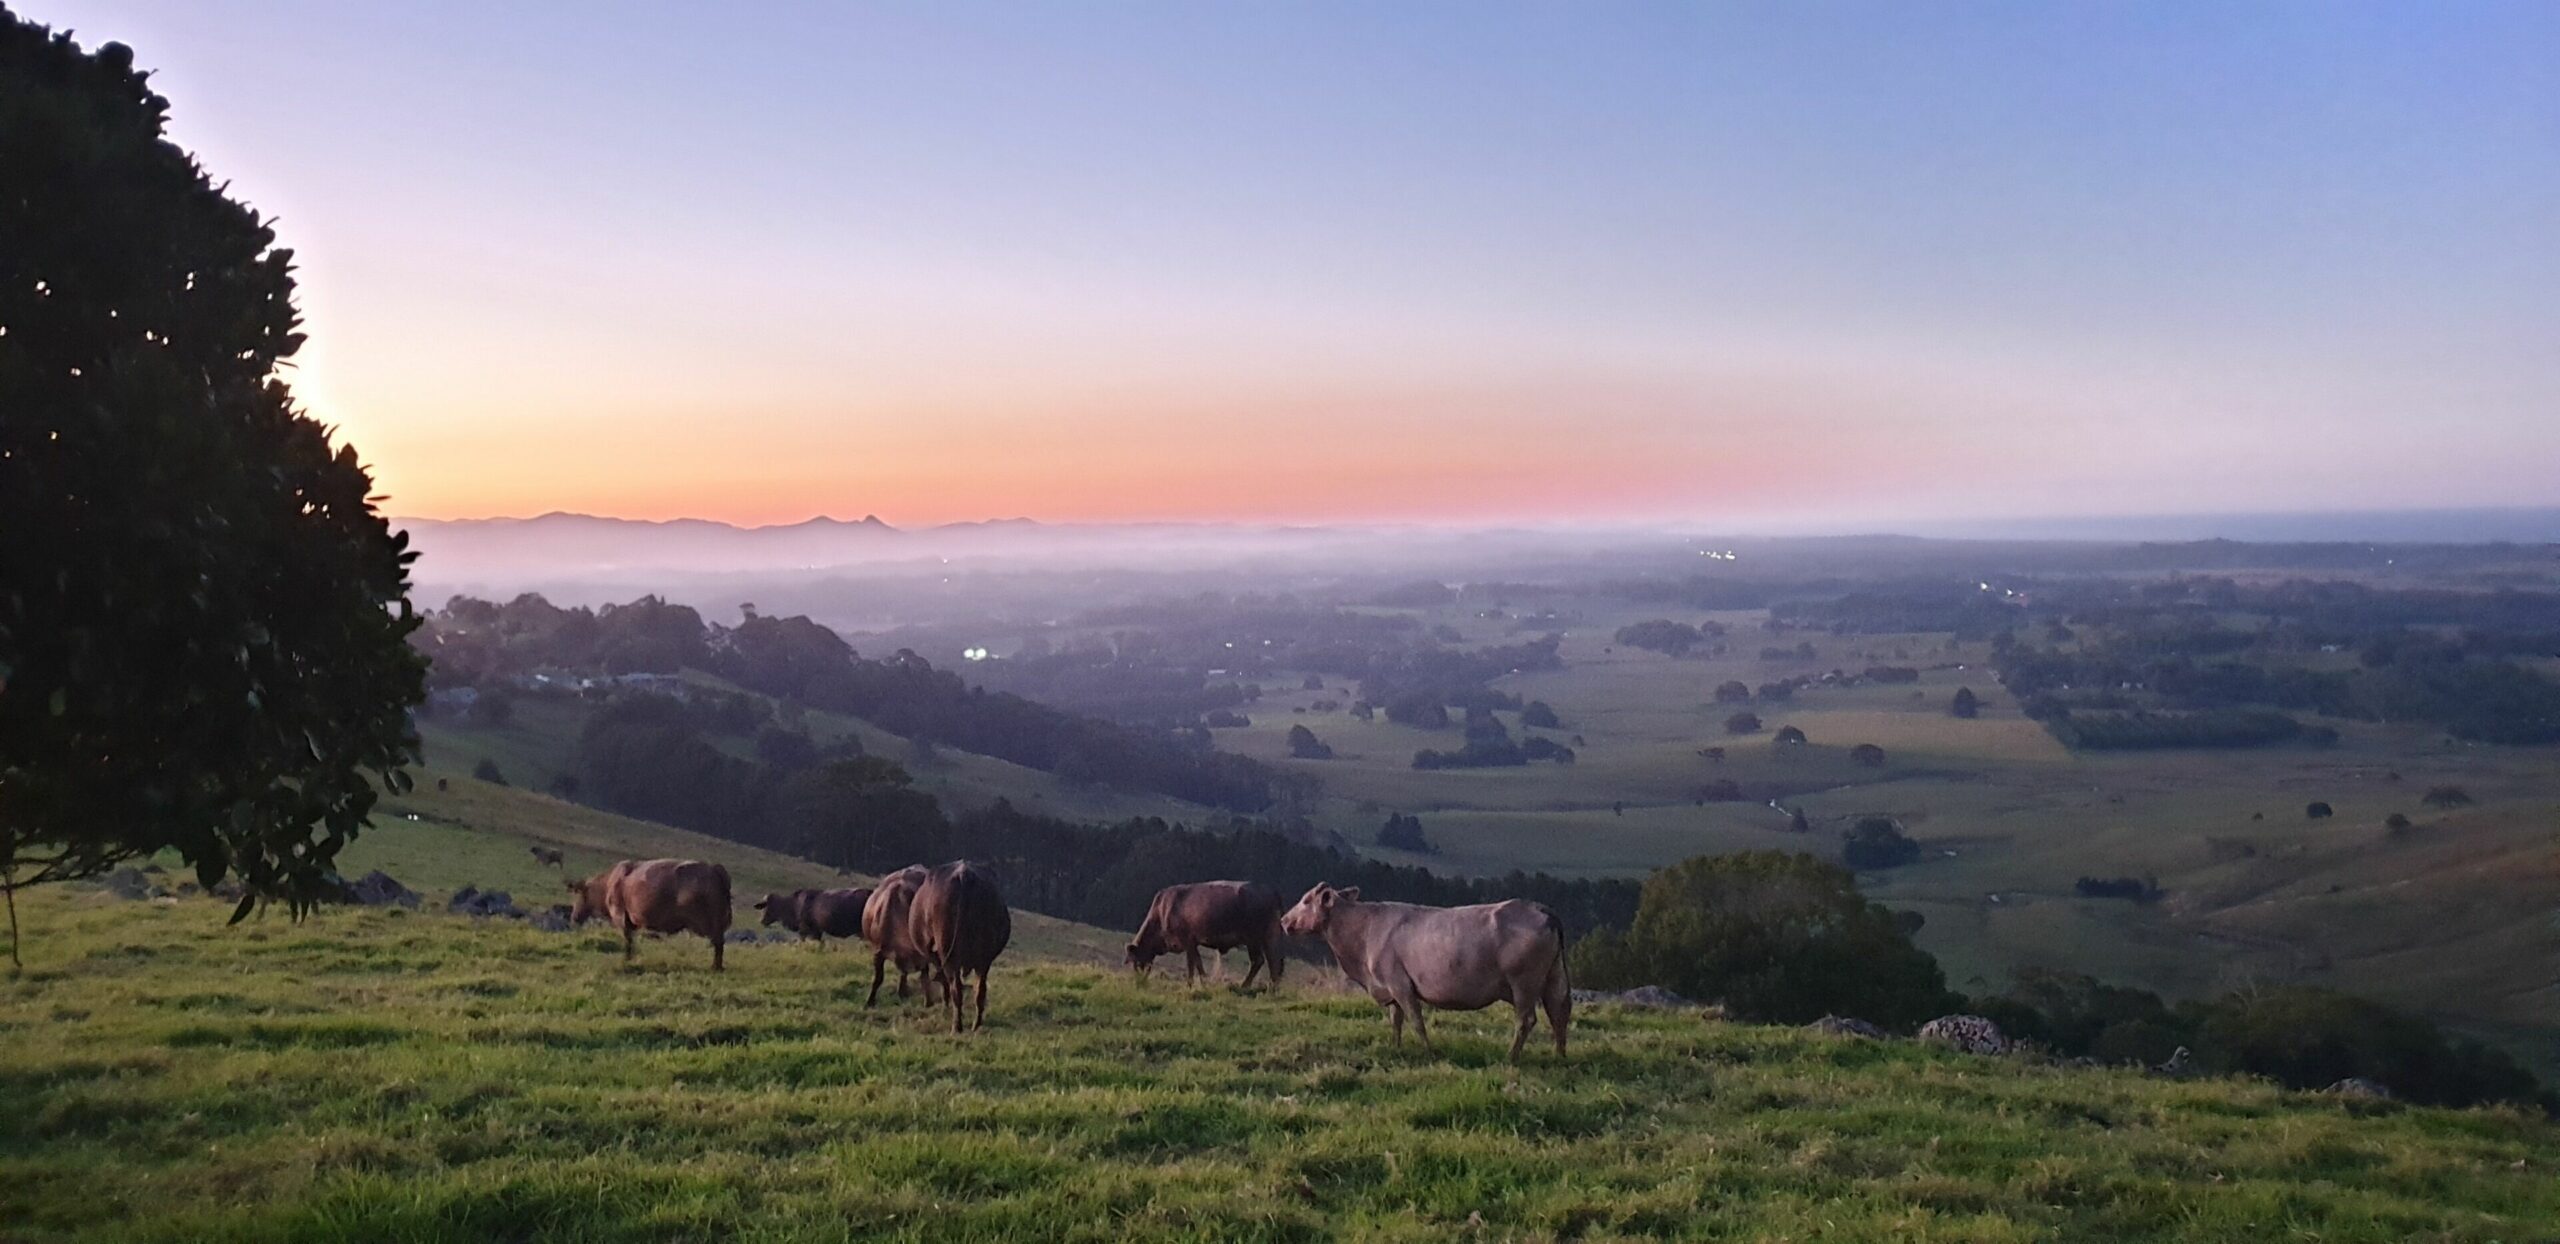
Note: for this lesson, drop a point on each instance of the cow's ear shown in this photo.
(1350, 895)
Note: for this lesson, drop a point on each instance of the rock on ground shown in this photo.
(377, 889)
(474, 901)
(1970, 1034)
(1843, 1026)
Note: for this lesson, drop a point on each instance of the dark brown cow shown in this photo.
(892, 936)
(1458, 958)
(660, 896)
(781, 907)
(1218, 915)
(962, 924)
(821, 914)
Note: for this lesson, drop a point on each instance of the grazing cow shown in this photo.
(661, 896)
(960, 921)
(781, 907)
(1458, 958)
(886, 926)
(545, 855)
(821, 914)
(1220, 915)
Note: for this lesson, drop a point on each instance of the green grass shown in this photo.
(390, 1076)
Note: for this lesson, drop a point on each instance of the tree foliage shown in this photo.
(203, 620)
(1775, 936)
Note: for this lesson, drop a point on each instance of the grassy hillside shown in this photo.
(387, 1075)
(476, 833)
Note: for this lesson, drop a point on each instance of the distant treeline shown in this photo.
(645, 756)
(800, 662)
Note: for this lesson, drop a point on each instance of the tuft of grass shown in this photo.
(420, 1077)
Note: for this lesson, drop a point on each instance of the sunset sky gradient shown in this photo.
(1723, 262)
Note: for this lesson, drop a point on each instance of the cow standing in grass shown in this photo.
(1458, 958)
(1218, 915)
(886, 926)
(961, 923)
(660, 896)
(821, 914)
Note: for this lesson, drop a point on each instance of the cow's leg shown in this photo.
(958, 992)
(719, 949)
(1253, 964)
(1396, 1014)
(1191, 960)
(630, 942)
(1559, 1002)
(1526, 1004)
(982, 999)
(880, 970)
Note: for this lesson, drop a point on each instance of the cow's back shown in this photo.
(834, 913)
(886, 922)
(960, 917)
(669, 896)
(1223, 913)
(1468, 957)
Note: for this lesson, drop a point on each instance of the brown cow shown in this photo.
(545, 855)
(661, 896)
(1219, 915)
(1459, 958)
(781, 907)
(885, 925)
(821, 914)
(962, 924)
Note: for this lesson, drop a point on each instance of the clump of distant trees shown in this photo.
(2138, 889)
(1875, 842)
(1403, 832)
(1304, 745)
(1742, 723)
(2141, 729)
(1674, 639)
(1963, 704)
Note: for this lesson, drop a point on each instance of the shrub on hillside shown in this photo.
(2446, 797)
(1403, 832)
(1304, 745)
(1877, 842)
(1742, 723)
(1775, 936)
(487, 771)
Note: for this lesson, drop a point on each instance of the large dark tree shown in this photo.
(203, 621)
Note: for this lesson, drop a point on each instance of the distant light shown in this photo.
(973, 654)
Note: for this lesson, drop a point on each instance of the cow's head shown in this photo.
(776, 908)
(583, 905)
(1311, 913)
(1139, 957)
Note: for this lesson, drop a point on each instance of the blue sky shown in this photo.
(1550, 262)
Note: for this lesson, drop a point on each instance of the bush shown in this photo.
(487, 771)
(1788, 736)
(1877, 842)
(2397, 822)
(1867, 754)
(1776, 936)
(1304, 745)
(2138, 889)
(1661, 635)
(1403, 832)
(1734, 691)
(2446, 797)
(1742, 723)
(1964, 704)
(2317, 810)
(1537, 714)
(2309, 1038)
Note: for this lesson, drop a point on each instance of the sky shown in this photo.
(1705, 263)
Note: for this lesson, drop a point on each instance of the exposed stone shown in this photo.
(553, 920)
(1970, 1034)
(1844, 1026)
(377, 889)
